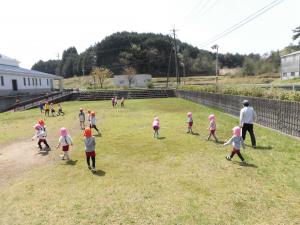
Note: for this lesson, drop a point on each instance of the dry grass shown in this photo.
(180, 179)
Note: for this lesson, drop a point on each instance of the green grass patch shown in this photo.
(179, 179)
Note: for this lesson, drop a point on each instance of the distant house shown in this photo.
(16, 80)
(138, 80)
(290, 66)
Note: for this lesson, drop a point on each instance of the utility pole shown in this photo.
(169, 66)
(217, 59)
(175, 54)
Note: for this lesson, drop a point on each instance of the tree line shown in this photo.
(152, 54)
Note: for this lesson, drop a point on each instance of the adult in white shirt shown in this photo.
(247, 118)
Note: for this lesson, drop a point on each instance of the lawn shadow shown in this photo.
(220, 142)
(269, 147)
(196, 134)
(43, 152)
(161, 138)
(245, 164)
(99, 173)
(71, 162)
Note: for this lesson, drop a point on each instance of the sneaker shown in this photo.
(228, 158)
(89, 167)
(62, 157)
(94, 170)
(254, 146)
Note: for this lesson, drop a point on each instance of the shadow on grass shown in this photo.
(245, 164)
(161, 138)
(99, 173)
(71, 162)
(43, 152)
(269, 147)
(196, 134)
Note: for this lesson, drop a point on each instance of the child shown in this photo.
(89, 117)
(93, 122)
(90, 143)
(65, 141)
(212, 127)
(43, 127)
(47, 108)
(155, 126)
(190, 122)
(52, 109)
(41, 135)
(236, 141)
(122, 102)
(60, 111)
(41, 107)
(113, 101)
(116, 101)
(81, 118)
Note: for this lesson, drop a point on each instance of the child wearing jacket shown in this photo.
(41, 135)
(237, 141)
(90, 144)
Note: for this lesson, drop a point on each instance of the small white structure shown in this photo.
(15, 80)
(290, 66)
(138, 80)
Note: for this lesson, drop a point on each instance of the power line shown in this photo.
(243, 22)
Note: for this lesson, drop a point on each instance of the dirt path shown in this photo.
(18, 158)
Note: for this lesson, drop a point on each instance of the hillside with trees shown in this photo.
(153, 54)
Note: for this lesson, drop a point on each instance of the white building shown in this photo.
(138, 80)
(290, 66)
(17, 80)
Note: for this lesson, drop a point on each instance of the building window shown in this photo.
(292, 74)
(47, 82)
(28, 81)
(24, 80)
(33, 82)
(40, 81)
(2, 80)
(36, 82)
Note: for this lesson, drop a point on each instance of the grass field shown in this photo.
(178, 179)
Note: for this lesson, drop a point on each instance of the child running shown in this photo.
(60, 111)
(41, 107)
(212, 127)
(155, 126)
(113, 101)
(116, 100)
(89, 117)
(122, 102)
(237, 141)
(43, 126)
(190, 122)
(93, 122)
(52, 109)
(65, 141)
(47, 108)
(81, 119)
(90, 143)
(41, 135)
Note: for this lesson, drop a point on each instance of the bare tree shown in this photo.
(130, 72)
(102, 74)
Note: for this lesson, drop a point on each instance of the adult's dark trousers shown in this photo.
(249, 127)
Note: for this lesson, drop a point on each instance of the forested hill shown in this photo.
(145, 52)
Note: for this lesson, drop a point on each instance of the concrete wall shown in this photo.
(139, 80)
(32, 84)
(290, 67)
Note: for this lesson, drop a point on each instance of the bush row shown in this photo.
(270, 93)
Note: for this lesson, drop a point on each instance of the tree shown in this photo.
(249, 67)
(130, 72)
(102, 74)
(297, 33)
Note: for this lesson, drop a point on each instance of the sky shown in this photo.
(41, 29)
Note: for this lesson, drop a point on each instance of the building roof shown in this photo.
(15, 70)
(293, 53)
